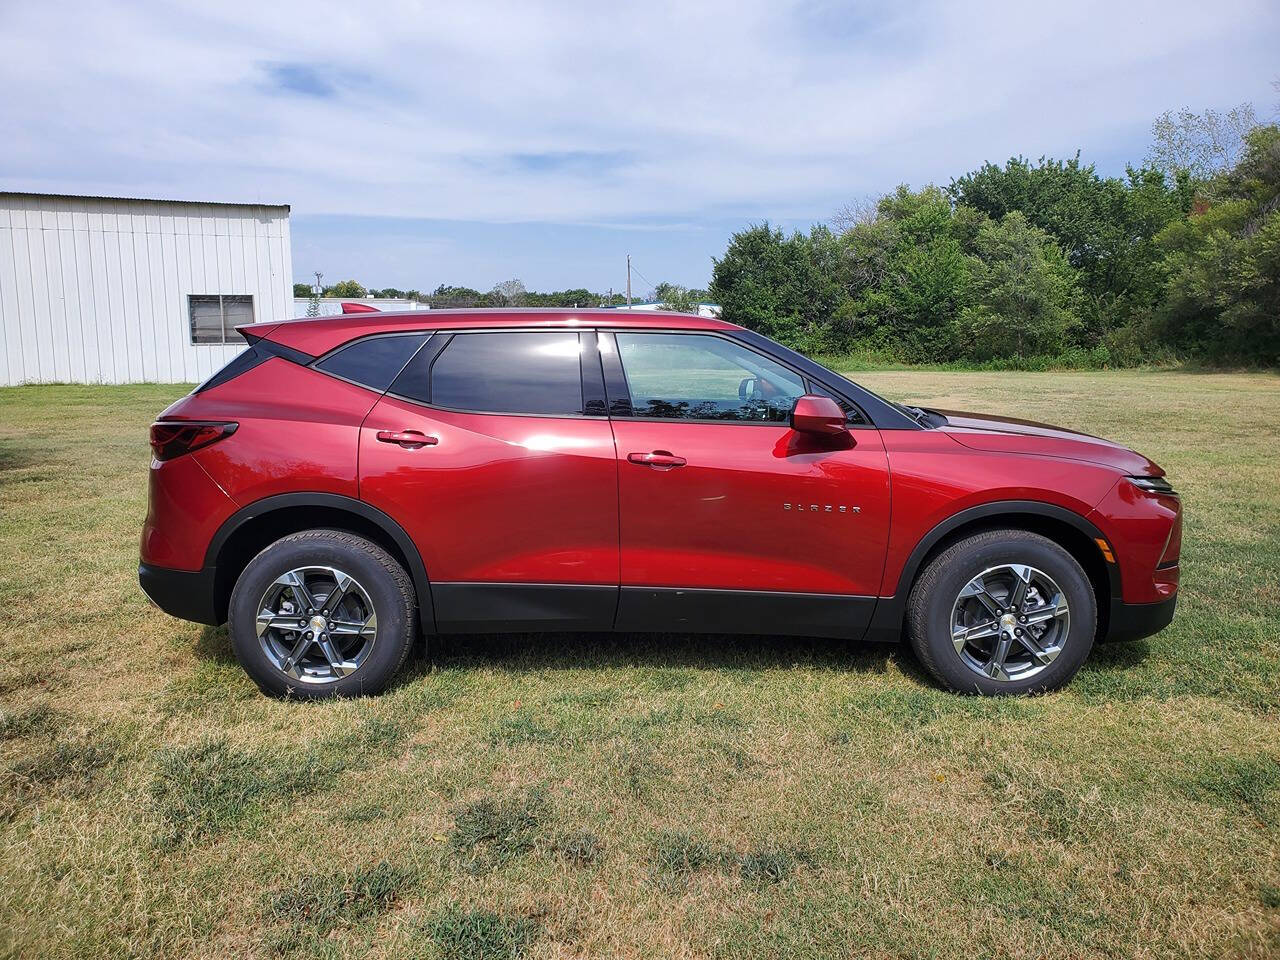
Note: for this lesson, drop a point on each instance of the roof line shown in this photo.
(91, 196)
(536, 311)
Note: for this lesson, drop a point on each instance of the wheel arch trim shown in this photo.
(260, 509)
(891, 610)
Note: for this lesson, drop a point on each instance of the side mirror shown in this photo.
(747, 387)
(820, 415)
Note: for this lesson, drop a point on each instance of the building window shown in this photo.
(214, 317)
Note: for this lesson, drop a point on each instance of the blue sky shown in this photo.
(421, 144)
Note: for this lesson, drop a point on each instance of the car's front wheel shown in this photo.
(322, 613)
(1003, 612)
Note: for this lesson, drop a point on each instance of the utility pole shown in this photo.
(628, 280)
(319, 276)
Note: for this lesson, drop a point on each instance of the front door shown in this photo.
(481, 449)
(729, 520)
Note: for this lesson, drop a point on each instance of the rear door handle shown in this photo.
(662, 459)
(409, 439)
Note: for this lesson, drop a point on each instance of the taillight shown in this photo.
(173, 438)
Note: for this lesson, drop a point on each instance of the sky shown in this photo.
(473, 142)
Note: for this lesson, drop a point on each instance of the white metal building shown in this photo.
(114, 290)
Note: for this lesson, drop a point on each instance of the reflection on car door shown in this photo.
(482, 449)
(729, 520)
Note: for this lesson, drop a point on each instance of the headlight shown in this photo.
(1153, 485)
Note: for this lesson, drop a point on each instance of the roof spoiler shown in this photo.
(358, 308)
(253, 332)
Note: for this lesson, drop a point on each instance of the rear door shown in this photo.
(730, 520)
(500, 464)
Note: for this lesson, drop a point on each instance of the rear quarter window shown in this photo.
(373, 362)
(241, 363)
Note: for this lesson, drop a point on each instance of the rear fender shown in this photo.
(325, 506)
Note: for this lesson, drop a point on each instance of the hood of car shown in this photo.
(981, 431)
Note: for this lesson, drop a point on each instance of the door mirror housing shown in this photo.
(820, 415)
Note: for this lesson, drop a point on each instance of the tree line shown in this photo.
(1179, 258)
(509, 293)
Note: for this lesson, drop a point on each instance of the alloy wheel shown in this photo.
(1010, 622)
(316, 624)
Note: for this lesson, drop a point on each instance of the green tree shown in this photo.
(748, 279)
(1136, 280)
(1024, 291)
(672, 296)
(787, 288)
(1222, 299)
(577, 297)
(346, 290)
(784, 287)
(445, 297)
(302, 290)
(1104, 226)
(508, 293)
(906, 276)
(1200, 144)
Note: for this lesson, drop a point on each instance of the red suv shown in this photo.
(348, 480)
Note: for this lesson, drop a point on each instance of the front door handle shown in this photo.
(661, 459)
(409, 439)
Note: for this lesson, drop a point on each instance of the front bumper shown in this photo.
(1133, 621)
(188, 595)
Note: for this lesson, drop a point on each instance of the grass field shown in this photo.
(640, 796)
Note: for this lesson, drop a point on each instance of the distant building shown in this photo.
(333, 305)
(119, 290)
(710, 310)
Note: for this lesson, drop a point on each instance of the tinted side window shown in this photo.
(701, 377)
(509, 373)
(374, 362)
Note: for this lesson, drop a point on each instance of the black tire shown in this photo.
(929, 610)
(384, 581)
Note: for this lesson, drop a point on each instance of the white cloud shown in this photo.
(495, 111)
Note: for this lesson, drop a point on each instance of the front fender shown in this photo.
(936, 481)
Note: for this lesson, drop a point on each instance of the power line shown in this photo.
(652, 285)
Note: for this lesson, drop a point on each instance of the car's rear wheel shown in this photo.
(322, 613)
(1003, 612)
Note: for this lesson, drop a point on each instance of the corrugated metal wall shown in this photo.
(95, 290)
